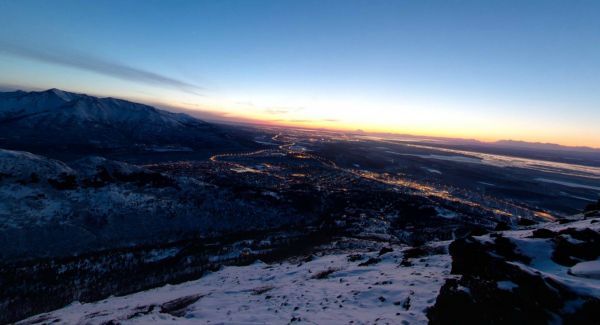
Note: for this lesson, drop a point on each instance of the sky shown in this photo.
(488, 70)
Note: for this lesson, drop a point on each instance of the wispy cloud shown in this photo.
(282, 110)
(99, 65)
(276, 111)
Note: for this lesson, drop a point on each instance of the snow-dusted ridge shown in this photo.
(49, 209)
(21, 165)
(67, 107)
(56, 120)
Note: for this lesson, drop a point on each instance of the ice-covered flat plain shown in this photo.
(497, 160)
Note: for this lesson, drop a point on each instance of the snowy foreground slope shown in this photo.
(329, 289)
(482, 280)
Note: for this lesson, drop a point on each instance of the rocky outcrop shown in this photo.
(523, 277)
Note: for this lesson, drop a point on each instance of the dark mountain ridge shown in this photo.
(58, 123)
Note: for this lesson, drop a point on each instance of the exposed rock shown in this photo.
(178, 306)
(385, 250)
(370, 261)
(511, 280)
(543, 233)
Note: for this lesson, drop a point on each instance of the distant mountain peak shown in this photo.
(55, 120)
(64, 95)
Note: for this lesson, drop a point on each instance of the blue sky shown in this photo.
(490, 70)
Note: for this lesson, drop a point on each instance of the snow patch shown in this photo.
(589, 269)
(507, 285)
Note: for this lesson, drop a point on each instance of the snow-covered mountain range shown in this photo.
(55, 120)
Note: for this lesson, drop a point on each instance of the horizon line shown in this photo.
(221, 118)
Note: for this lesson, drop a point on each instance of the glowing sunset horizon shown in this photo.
(484, 71)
